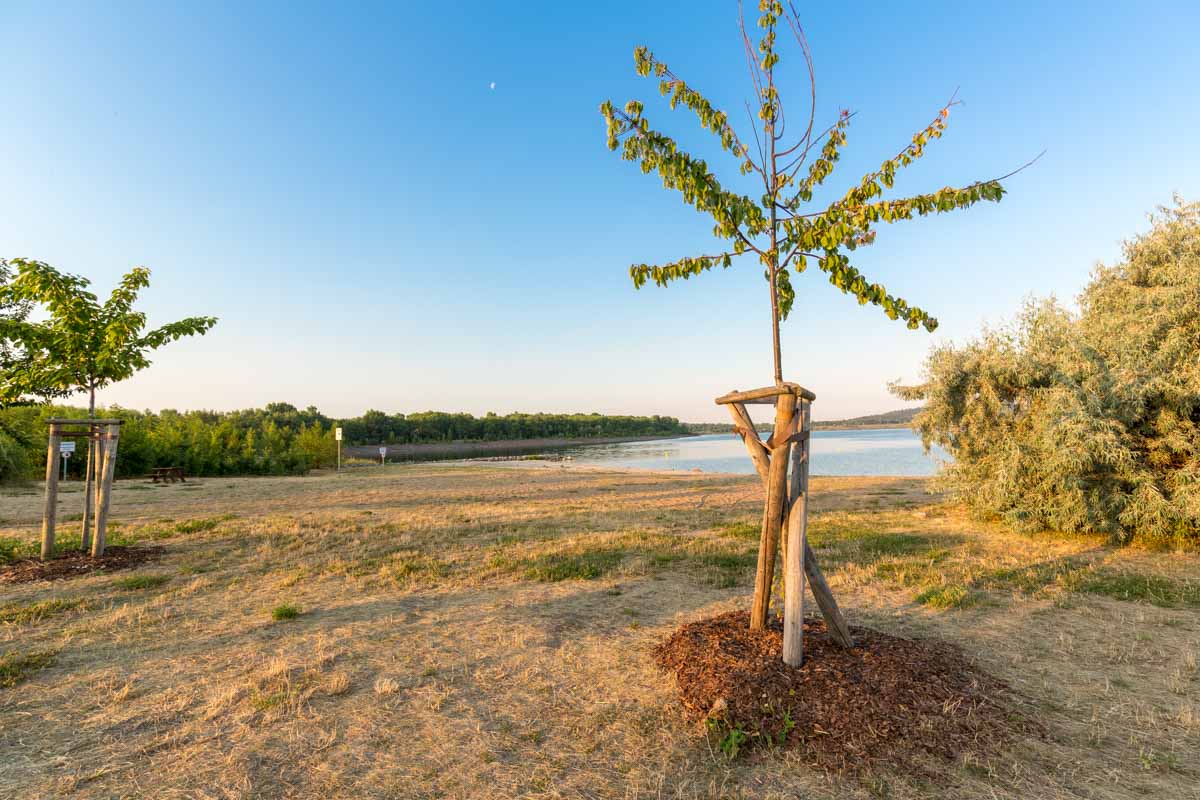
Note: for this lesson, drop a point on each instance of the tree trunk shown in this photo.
(104, 478)
(89, 470)
(785, 420)
(50, 510)
(793, 551)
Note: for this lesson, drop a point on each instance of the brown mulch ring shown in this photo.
(74, 563)
(882, 703)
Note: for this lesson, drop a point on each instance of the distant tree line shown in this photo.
(901, 416)
(376, 427)
(281, 439)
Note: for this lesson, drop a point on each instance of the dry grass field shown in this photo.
(484, 632)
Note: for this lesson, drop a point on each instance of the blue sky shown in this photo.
(377, 227)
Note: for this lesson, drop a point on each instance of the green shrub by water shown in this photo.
(1084, 421)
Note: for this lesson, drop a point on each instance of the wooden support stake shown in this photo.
(793, 556)
(108, 466)
(834, 620)
(50, 509)
(90, 468)
(835, 623)
(754, 446)
(785, 420)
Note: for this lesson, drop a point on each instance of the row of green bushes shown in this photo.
(202, 443)
(281, 439)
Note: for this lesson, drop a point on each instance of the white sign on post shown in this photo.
(383, 452)
(64, 450)
(337, 434)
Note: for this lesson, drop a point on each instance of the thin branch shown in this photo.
(728, 126)
(795, 252)
(748, 243)
(797, 163)
(762, 154)
(793, 20)
(966, 188)
(813, 141)
(751, 61)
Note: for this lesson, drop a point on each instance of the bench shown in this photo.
(167, 475)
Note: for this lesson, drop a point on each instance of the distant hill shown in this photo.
(889, 419)
(901, 416)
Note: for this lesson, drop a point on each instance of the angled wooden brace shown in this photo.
(760, 455)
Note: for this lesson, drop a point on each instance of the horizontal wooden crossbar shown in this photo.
(765, 395)
(58, 421)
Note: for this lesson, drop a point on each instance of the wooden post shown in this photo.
(793, 558)
(50, 509)
(785, 421)
(766, 464)
(90, 467)
(834, 620)
(111, 437)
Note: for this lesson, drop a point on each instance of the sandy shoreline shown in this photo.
(446, 451)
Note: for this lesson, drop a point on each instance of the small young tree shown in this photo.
(317, 444)
(83, 345)
(775, 226)
(13, 312)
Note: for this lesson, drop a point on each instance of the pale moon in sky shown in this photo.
(492, 85)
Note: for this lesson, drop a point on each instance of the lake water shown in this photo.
(882, 451)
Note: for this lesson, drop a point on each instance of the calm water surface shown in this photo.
(884, 451)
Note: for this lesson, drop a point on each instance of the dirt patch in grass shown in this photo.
(74, 563)
(882, 703)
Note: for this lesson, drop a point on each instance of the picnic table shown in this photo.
(167, 474)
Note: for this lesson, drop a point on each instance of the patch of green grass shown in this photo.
(726, 569)
(198, 525)
(742, 529)
(262, 702)
(137, 582)
(16, 667)
(284, 611)
(1034, 578)
(951, 595)
(879, 545)
(720, 562)
(914, 571)
(408, 567)
(13, 549)
(584, 565)
(730, 738)
(1154, 589)
(19, 614)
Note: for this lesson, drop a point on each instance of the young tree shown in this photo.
(84, 344)
(317, 445)
(775, 226)
(13, 312)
